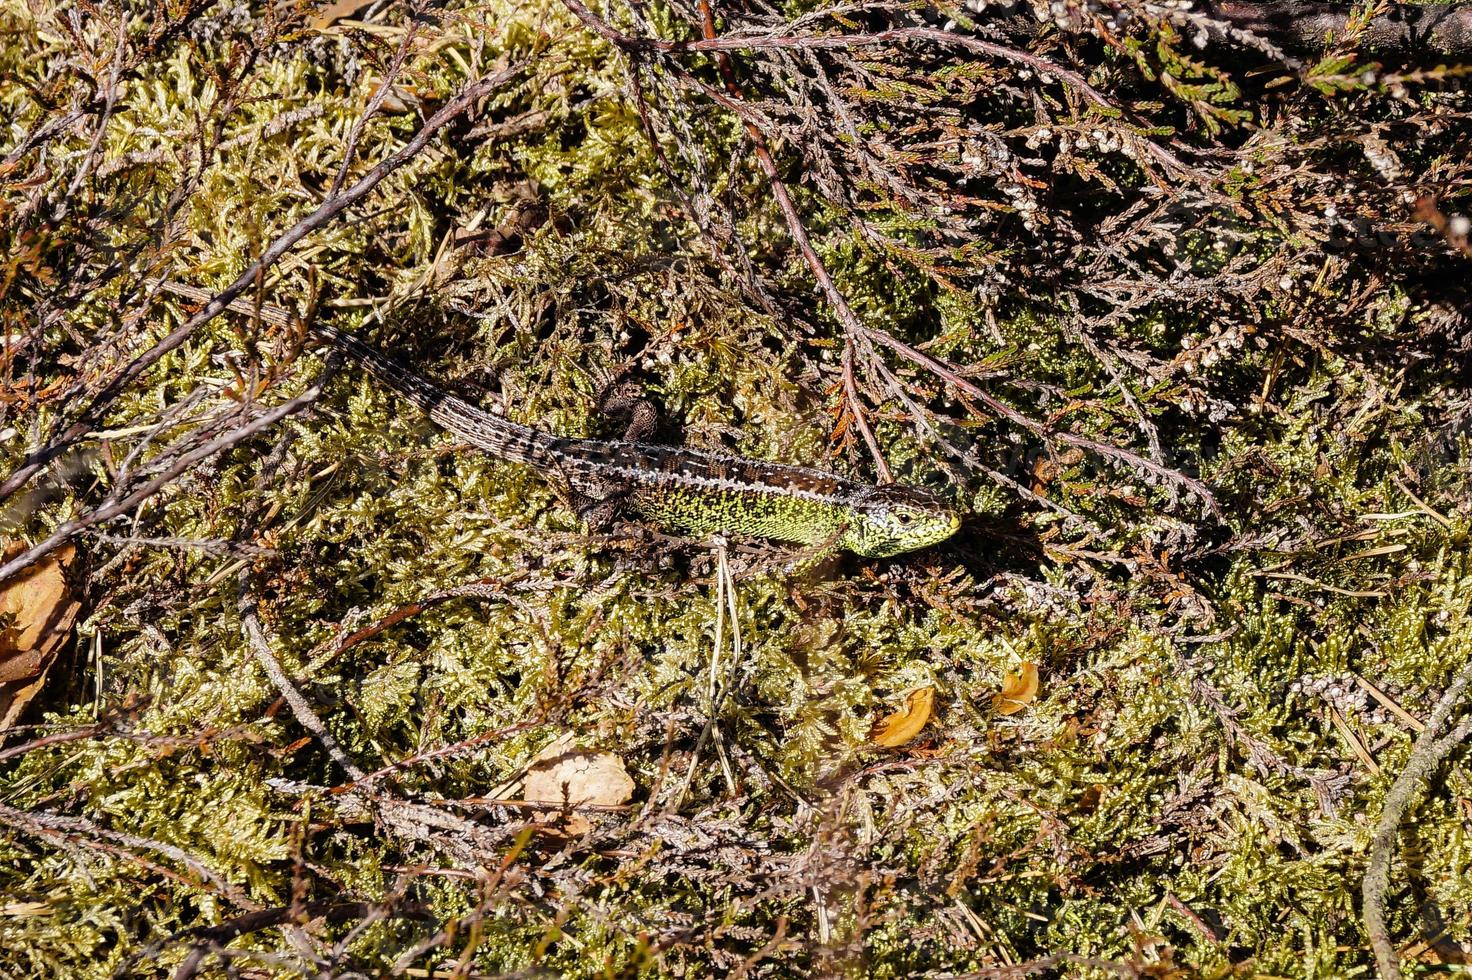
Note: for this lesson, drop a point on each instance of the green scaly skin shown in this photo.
(683, 490)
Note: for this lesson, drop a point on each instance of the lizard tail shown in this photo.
(506, 440)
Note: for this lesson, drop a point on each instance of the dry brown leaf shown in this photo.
(399, 98)
(334, 12)
(896, 729)
(38, 610)
(1018, 688)
(565, 774)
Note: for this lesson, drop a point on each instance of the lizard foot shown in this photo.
(626, 400)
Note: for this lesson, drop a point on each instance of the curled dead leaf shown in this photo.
(566, 775)
(1018, 689)
(334, 12)
(894, 730)
(400, 99)
(36, 615)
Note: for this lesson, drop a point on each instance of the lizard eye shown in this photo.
(902, 517)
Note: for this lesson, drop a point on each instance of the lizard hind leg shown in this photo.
(595, 502)
(596, 506)
(626, 400)
(600, 513)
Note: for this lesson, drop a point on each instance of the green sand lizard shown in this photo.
(687, 491)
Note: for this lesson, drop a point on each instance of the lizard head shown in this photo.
(892, 519)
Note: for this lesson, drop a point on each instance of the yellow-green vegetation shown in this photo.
(1228, 687)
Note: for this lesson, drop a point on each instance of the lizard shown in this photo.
(690, 491)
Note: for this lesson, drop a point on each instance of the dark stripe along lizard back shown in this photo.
(684, 490)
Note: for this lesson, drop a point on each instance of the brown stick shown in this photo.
(1431, 748)
(857, 335)
(57, 826)
(441, 752)
(375, 102)
(181, 466)
(1001, 52)
(948, 373)
(212, 938)
(851, 324)
(337, 646)
(75, 735)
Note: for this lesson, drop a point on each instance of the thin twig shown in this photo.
(208, 939)
(949, 373)
(859, 337)
(812, 42)
(305, 716)
(182, 465)
(55, 825)
(439, 752)
(1428, 752)
(375, 101)
(799, 235)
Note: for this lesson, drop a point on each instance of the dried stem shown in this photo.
(1429, 751)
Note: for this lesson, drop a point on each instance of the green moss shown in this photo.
(1155, 771)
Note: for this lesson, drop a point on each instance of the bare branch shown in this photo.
(1430, 750)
